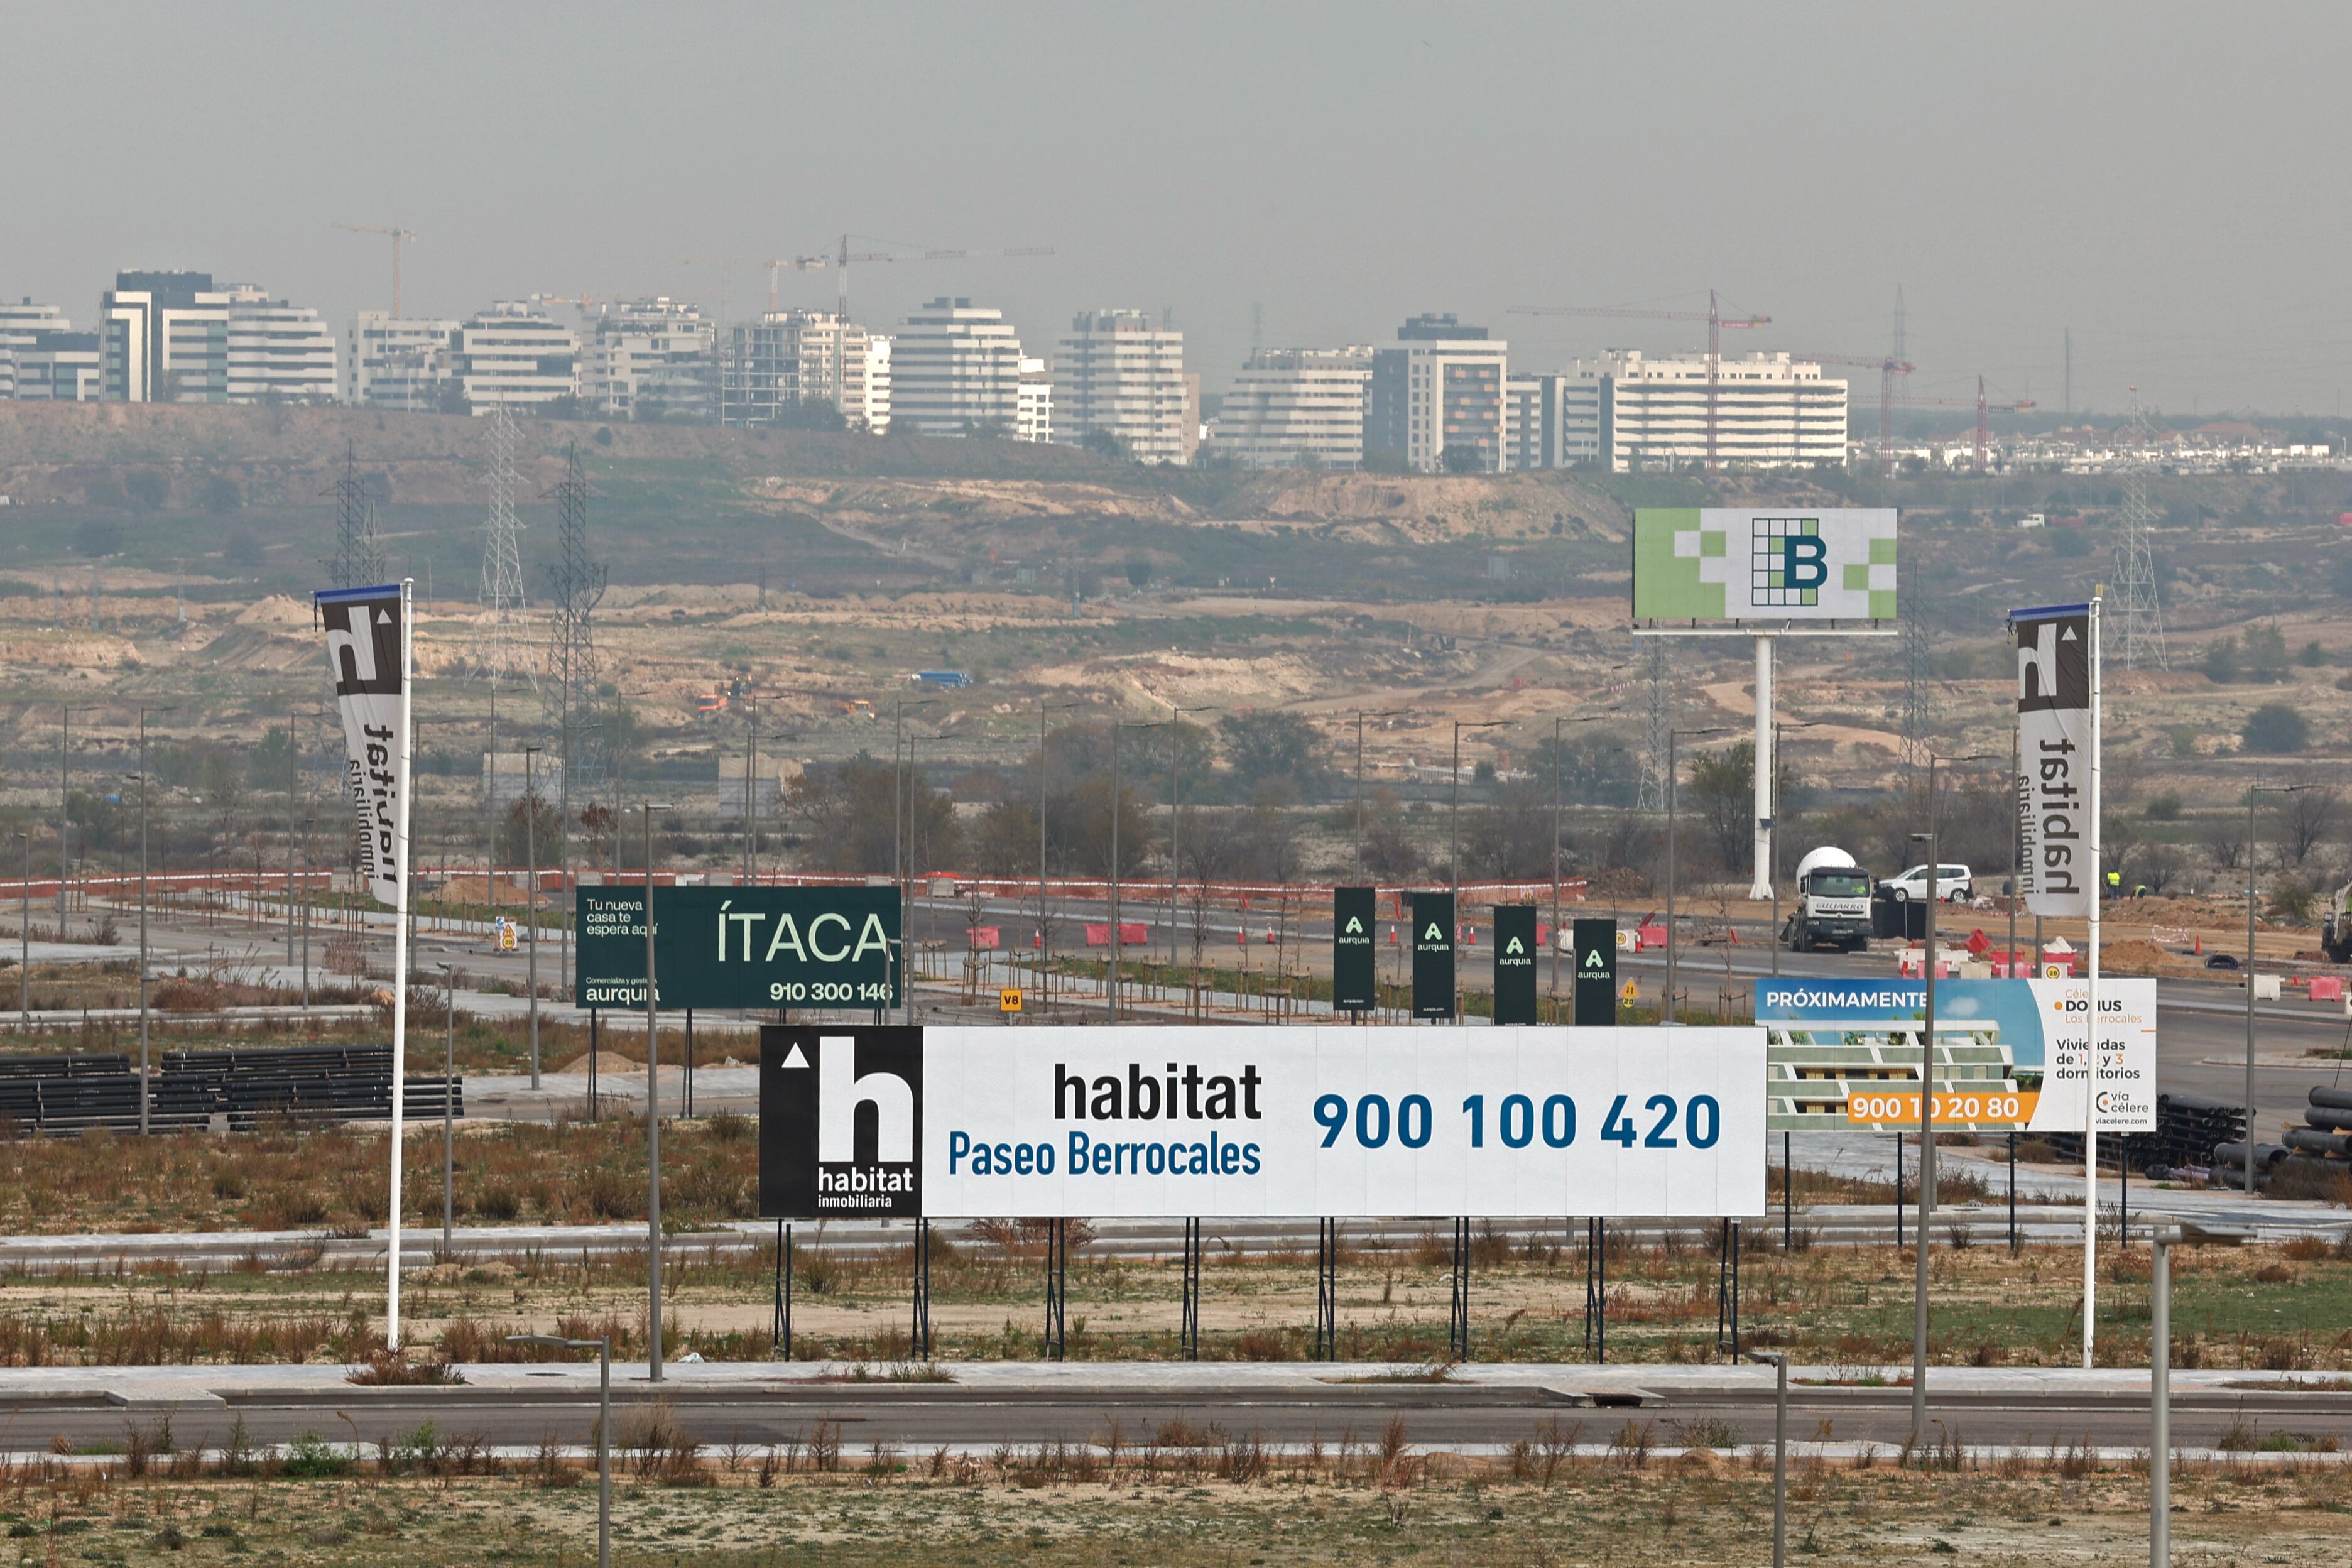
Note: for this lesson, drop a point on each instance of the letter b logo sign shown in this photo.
(1804, 561)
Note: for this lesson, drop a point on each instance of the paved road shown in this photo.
(1496, 1410)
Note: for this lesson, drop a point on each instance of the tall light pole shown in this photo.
(2251, 792)
(307, 821)
(448, 1126)
(65, 807)
(1559, 723)
(1360, 716)
(1453, 838)
(1932, 839)
(24, 935)
(530, 897)
(604, 1348)
(1175, 810)
(906, 972)
(1116, 789)
(898, 809)
(653, 1120)
(2161, 1241)
(1045, 920)
(1674, 802)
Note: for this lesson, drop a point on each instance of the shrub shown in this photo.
(2275, 728)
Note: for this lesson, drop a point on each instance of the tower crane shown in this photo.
(842, 258)
(399, 237)
(1717, 321)
(1981, 403)
(1888, 366)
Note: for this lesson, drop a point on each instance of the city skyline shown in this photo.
(2025, 176)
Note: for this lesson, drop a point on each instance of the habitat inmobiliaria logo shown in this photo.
(841, 1122)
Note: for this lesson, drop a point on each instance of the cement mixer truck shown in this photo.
(1833, 903)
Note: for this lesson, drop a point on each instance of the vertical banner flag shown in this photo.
(1353, 988)
(2054, 759)
(1514, 963)
(364, 629)
(1433, 955)
(1594, 945)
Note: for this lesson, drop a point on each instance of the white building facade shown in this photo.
(277, 351)
(164, 338)
(1033, 420)
(649, 359)
(396, 363)
(1293, 406)
(955, 366)
(1439, 390)
(512, 353)
(1771, 411)
(1117, 375)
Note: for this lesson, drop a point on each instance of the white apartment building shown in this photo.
(277, 351)
(1292, 406)
(1440, 389)
(649, 359)
(870, 405)
(512, 353)
(19, 325)
(391, 363)
(1533, 424)
(164, 338)
(1033, 420)
(808, 356)
(1771, 411)
(954, 367)
(1117, 375)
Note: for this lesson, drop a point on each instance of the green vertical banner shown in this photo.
(1594, 943)
(1353, 921)
(1514, 963)
(1433, 955)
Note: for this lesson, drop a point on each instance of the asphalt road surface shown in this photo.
(923, 1415)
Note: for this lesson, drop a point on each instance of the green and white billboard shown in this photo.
(1727, 563)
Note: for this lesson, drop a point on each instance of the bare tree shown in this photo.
(2305, 815)
(2225, 840)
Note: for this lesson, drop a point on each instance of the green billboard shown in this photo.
(1728, 563)
(740, 947)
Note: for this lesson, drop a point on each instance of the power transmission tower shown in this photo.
(2138, 617)
(1919, 680)
(499, 633)
(1659, 721)
(569, 692)
(359, 560)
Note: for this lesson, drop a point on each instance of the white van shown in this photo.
(1954, 884)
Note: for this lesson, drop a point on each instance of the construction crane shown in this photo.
(1981, 403)
(840, 260)
(1715, 322)
(399, 237)
(775, 264)
(1888, 367)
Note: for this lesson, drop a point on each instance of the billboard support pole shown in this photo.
(399, 954)
(1761, 887)
(1188, 1332)
(1327, 1291)
(2091, 1024)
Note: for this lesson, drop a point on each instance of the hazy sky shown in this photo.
(2166, 180)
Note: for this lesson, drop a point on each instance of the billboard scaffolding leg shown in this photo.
(1457, 1337)
(1726, 1290)
(1189, 1332)
(592, 1048)
(1596, 1289)
(1058, 1285)
(2012, 1194)
(1898, 1191)
(1788, 1195)
(1327, 1290)
(1761, 887)
(920, 1333)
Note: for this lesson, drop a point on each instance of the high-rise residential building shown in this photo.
(512, 353)
(1033, 417)
(277, 351)
(19, 325)
(809, 356)
(1439, 390)
(649, 359)
(1293, 406)
(403, 364)
(955, 367)
(164, 338)
(1771, 411)
(1532, 429)
(1116, 374)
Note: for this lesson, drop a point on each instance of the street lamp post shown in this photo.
(2259, 789)
(653, 1120)
(1454, 836)
(906, 980)
(530, 897)
(1360, 717)
(604, 1348)
(448, 1125)
(1674, 803)
(24, 935)
(2161, 1241)
(1557, 722)
(1044, 919)
(1779, 1362)
(1116, 726)
(1176, 807)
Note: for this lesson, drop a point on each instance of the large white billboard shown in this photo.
(1278, 1122)
(1764, 565)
